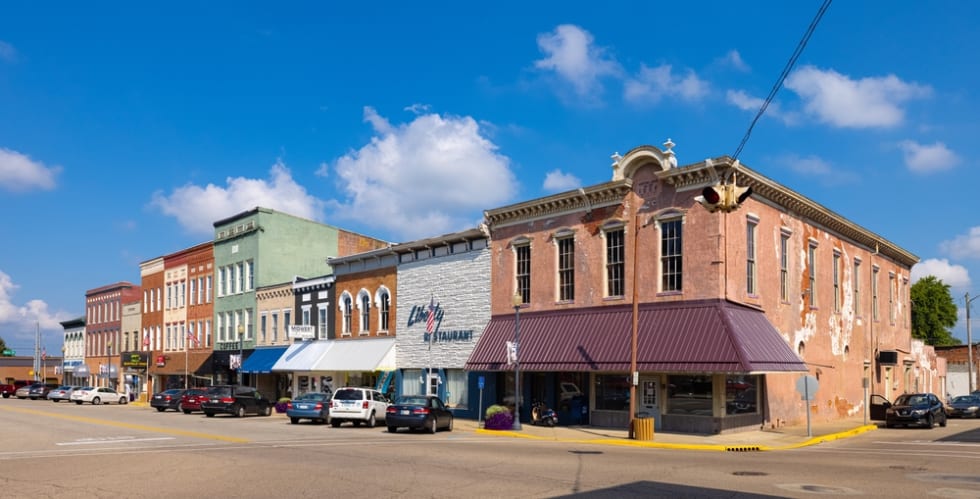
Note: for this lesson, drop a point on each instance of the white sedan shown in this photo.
(97, 395)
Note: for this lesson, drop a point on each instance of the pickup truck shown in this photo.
(8, 390)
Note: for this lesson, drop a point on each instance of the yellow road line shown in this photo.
(131, 426)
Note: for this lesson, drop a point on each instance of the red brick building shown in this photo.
(729, 309)
(103, 328)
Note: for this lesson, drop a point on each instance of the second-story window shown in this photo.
(856, 285)
(346, 312)
(837, 296)
(784, 267)
(671, 256)
(874, 293)
(384, 311)
(750, 270)
(811, 257)
(615, 262)
(566, 269)
(365, 313)
(523, 271)
(322, 322)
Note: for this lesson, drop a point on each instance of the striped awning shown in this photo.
(704, 336)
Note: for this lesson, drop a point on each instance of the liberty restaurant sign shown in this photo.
(420, 314)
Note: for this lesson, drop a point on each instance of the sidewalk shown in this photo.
(787, 437)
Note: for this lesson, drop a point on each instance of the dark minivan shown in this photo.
(235, 400)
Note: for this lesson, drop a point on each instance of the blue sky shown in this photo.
(127, 128)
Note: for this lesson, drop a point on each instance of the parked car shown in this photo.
(235, 400)
(417, 412)
(41, 390)
(167, 399)
(357, 405)
(24, 391)
(924, 409)
(312, 405)
(964, 406)
(63, 392)
(191, 400)
(10, 390)
(97, 395)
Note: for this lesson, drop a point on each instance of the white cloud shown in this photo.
(653, 84)
(816, 167)
(840, 101)
(921, 158)
(955, 276)
(7, 52)
(746, 102)
(570, 53)
(430, 176)
(19, 173)
(18, 322)
(558, 181)
(197, 208)
(964, 245)
(734, 59)
(417, 108)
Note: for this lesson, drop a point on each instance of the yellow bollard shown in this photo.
(643, 429)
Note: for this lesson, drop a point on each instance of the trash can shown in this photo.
(643, 429)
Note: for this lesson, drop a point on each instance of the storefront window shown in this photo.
(741, 394)
(689, 395)
(411, 382)
(456, 388)
(612, 392)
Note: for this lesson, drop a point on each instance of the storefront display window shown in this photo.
(689, 395)
(612, 392)
(741, 394)
(456, 389)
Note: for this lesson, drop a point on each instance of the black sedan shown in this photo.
(419, 412)
(920, 409)
(964, 406)
(167, 399)
(235, 400)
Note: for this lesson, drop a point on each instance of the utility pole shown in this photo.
(969, 340)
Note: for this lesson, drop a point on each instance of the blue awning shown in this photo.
(262, 360)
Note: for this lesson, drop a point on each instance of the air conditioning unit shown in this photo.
(888, 357)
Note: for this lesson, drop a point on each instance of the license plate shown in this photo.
(405, 412)
(302, 406)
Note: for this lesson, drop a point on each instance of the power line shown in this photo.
(779, 82)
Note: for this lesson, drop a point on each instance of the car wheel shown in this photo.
(96, 401)
(929, 421)
(267, 411)
(371, 421)
(335, 423)
(54, 400)
(450, 427)
(122, 400)
(79, 402)
(392, 429)
(294, 420)
(942, 422)
(433, 426)
(161, 409)
(209, 414)
(187, 411)
(33, 398)
(240, 412)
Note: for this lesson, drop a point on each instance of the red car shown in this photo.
(191, 400)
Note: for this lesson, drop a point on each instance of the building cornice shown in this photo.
(583, 199)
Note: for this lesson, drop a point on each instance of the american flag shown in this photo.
(430, 320)
(190, 336)
(146, 339)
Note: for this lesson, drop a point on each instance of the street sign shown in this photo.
(9, 353)
(480, 382)
(807, 387)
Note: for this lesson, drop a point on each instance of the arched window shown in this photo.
(346, 308)
(365, 306)
(383, 303)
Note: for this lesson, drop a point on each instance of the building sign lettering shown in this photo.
(420, 315)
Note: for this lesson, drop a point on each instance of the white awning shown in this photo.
(302, 356)
(374, 354)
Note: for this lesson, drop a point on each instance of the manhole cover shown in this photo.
(813, 488)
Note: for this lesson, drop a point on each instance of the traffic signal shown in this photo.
(723, 197)
(712, 197)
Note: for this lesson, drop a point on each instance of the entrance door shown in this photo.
(647, 395)
(432, 387)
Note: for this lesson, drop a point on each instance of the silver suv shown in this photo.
(357, 405)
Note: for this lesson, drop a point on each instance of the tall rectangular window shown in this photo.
(856, 287)
(207, 294)
(306, 316)
(837, 282)
(346, 301)
(615, 262)
(891, 298)
(784, 267)
(275, 328)
(365, 313)
(262, 325)
(874, 293)
(384, 314)
(190, 293)
(566, 269)
(750, 276)
(811, 257)
(221, 282)
(523, 270)
(241, 278)
(671, 258)
(322, 322)
(251, 275)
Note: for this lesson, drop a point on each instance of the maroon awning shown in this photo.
(706, 336)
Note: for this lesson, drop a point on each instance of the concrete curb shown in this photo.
(685, 446)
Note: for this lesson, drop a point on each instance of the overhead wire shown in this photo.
(786, 70)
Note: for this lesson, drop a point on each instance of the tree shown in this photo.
(933, 312)
(3, 345)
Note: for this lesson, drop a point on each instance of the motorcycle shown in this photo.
(541, 414)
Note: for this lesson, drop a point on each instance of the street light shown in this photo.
(517, 301)
(241, 339)
(969, 340)
(108, 362)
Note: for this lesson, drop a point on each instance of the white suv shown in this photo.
(357, 405)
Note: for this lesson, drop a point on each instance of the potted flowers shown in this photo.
(282, 404)
(498, 418)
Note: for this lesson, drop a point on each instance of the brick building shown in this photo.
(728, 308)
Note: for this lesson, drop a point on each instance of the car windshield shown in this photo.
(86, 388)
(914, 399)
(313, 396)
(412, 401)
(966, 399)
